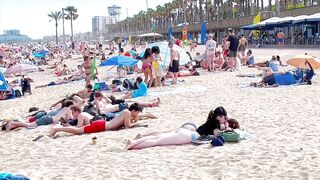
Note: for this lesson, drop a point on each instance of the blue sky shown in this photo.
(30, 16)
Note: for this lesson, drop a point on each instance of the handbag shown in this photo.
(231, 136)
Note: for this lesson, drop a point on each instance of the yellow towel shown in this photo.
(155, 64)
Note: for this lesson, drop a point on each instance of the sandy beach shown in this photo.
(283, 121)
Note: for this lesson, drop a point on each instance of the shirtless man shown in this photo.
(127, 119)
(281, 36)
(82, 118)
(100, 101)
(243, 43)
(85, 94)
(64, 114)
(174, 63)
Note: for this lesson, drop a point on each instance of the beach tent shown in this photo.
(313, 18)
(150, 35)
(266, 24)
(300, 19)
(282, 22)
(165, 53)
(3, 83)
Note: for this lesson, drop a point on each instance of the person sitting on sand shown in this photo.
(127, 119)
(219, 61)
(183, 135)
(216, 122)
(53, 83)
(248, 59)
(79, 75)
(141, 91)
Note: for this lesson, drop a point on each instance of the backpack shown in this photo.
(128, 84)
(17, 93)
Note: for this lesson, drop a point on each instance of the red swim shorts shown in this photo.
(95, 126)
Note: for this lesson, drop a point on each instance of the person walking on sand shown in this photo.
(127, 118)
(211, 46)
(174, 63)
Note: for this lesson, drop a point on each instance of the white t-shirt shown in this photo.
(211, 46)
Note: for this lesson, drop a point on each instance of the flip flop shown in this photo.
(38, 137)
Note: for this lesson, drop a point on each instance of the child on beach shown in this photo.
(157, 71)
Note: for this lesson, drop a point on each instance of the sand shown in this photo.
(284, 121)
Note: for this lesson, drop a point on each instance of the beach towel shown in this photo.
(10, 176)
(93, 68)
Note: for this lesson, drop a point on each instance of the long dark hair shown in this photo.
(213, 114)
(147, 53)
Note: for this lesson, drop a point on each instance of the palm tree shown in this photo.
(72, 16)
(55, 16)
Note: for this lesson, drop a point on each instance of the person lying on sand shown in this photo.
(183, 135)
(216, 122)
(64, 114)
(127, 119)
(79, 118)
(86, 93)
(103, 106)
(53, 83)
(274, 79)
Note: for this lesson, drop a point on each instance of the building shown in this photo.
(99, 26)
(114, 14)
(13, 36)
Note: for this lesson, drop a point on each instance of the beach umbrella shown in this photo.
(299, 61)
(119, 61)
(3, 83)
(3, 53)
(165, 53)
(19, 68)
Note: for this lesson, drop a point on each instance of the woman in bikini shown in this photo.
(183, 135)
(146, 67)
(87, 69)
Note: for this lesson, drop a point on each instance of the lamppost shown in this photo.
(63, 26)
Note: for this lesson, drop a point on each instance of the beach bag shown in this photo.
(17, 93)
(116, 82)
(231, 136)
(128, 84)
(91, 110)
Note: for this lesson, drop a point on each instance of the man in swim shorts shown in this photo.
(127, 119)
